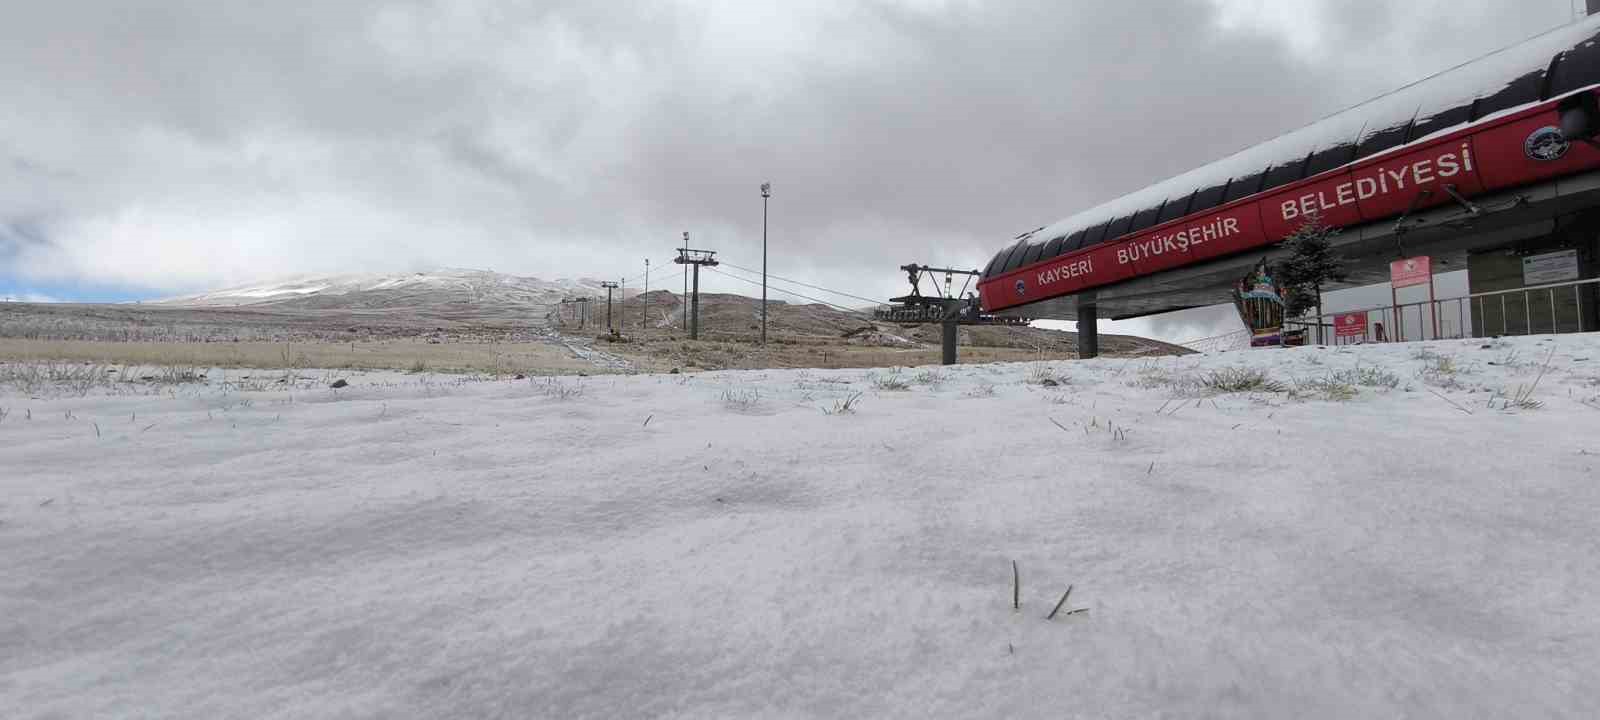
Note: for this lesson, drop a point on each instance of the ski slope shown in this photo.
(727, 545)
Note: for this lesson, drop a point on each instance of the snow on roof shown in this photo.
(1437, 104)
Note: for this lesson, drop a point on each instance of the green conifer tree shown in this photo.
(1310, 265)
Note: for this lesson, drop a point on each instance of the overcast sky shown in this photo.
(153, 147)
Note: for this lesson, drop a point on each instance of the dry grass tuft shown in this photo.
(845, 406)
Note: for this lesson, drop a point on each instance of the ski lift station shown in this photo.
(1492, 167)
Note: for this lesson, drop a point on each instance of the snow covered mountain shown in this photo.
(445, 287)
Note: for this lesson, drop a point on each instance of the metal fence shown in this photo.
(1555, 308)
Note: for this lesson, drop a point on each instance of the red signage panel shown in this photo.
(1524, 148)
(1529, 150)
(1415, 180)
(1108, 266)
(1197, 238)
(1410, 271)
(1350, 324)
(1334, 200)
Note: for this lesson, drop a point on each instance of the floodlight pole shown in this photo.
(766, 192)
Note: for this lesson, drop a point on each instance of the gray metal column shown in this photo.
(694, 313)
(1088, 332)
(950, 326)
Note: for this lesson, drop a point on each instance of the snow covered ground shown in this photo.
(728, 544)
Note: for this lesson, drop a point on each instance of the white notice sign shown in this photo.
(1550, 268)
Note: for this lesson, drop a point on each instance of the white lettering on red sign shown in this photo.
(1178, 242)
(1381, 181)
(1068, 271)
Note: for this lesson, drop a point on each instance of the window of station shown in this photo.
(1119, 227)
(1145, 218)
(1096, 234)
(1442, 120)
(1073, 242)
(1380, 140)
(1175, 208)
(1285, 172)
(1015, 258)
(1524, 89)
(1244, 187)
(1053, 248)
(1207, 198)
(1325, 160)
(1579, 67)
(1032, 256)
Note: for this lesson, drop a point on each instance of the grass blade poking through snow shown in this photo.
(1016, 587)
(1059, 603)
(1457, 405)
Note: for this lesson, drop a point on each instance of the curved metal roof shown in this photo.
(1537, 69)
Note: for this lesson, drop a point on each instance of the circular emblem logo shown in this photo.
(1349, 319)
(1546, 144)
(1022, 288)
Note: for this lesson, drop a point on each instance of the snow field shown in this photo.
(729, 545)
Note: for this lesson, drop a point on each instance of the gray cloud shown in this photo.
(192, 143)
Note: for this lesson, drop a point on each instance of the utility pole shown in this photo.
(685, 296)
(644, 313)
(688, 256)
(609, 286)
(766, 192)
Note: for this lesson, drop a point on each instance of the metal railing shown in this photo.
(1554, 308)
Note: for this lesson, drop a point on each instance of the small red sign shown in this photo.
(1350, 324)
(1410, 271)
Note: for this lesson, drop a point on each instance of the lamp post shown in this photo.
(766, 192)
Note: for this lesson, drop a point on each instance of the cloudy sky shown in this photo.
(154, 147)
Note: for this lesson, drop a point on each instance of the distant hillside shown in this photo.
(438, 289)
(476, 302)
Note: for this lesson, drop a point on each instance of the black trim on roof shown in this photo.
(1032, 255)
(1580, 68)
(1146, 217)
(1174, 210)
(1053, 248)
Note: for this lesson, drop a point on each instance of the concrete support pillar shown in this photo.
(1088, 332)
(949, 328)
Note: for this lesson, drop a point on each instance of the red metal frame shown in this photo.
(1484, 157)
